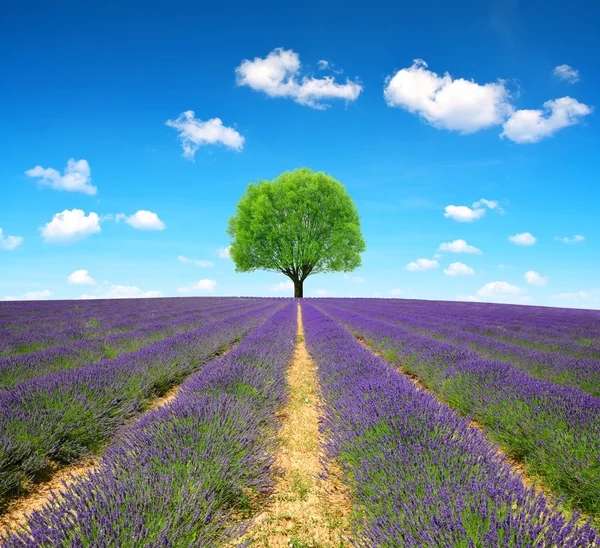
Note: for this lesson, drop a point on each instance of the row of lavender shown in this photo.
(15, 369)
(59, 417)
(177, 477)
(419, 475)
(554, 430)
(563, 369)
(31, 326)
(574, 332)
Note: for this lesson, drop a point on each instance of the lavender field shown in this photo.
(446, 424)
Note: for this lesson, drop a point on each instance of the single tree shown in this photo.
(300, 223)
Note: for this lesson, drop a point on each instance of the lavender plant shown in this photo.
(176, 478)
(419, 475)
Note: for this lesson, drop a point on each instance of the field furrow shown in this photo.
(307, 507)
(419, 474)
(57, 323)
(563, 369)
(56, 419)
(184, 473)
(21, 367)
(553, 430)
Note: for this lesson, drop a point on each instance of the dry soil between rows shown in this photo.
(308, 508)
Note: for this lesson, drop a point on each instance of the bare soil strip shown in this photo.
(308, 509)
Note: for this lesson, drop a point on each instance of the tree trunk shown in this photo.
(298, 289)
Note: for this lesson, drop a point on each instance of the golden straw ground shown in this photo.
(306, 510)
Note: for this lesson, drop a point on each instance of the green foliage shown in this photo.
(94, 323)
(300, 223)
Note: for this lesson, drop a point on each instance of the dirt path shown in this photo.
(307, 511)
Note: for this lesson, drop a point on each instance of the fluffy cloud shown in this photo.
(282, 287)
(459, 246)
(573, 240)
(197, 262)
(8, 243)
(525, 238)
(143, 220)
(277, 76)
(530, 126)
(421, 264)
(124, 292)
(321, 292)
(70, 225)
(459, 105)
(201, 285)
(396, 291)
(588, 298)
(223, 252)
(129, 292)
(534, 278)
(465, 214)
(566, 73)
(80, 277)
(194, 133)
(492, 204)
(458, 269)
(31, 296)
(499, 290)
(76, 177)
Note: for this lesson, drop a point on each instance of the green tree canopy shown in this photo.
(300, 223)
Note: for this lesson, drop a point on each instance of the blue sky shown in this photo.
(484, 114)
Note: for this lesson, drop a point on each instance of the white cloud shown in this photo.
(31, 296)
(277, 76)
(322, 64)
(566, 73)
(129, 292)
(492, 204)
(201, 285)
(70, 225)
(223, 252)
(143, 220)
(530, 126)
(355, 279)
(396, 291)
(459, 246)
(463, 214)
(197, 262)
(80, 277)
(421, 264)
(76, 177)
(586, 298)
(525, 238)
(534, 278)
(282, 286)
(459, 105)
(458, 269)
(34, 295)
(8, 243)
(321, 292)
(194, 133)
(573, 240)
(499, 290)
